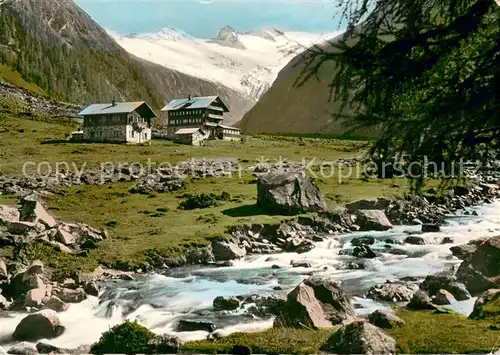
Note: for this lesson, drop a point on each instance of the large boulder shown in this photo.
(487, 305)
(385, 318)
(23, 228)
(364, 252)
(443, 298)
(227, 250)
(359, 337)
(315, 303)
(33, 211)
(55, 303)
(71, 296)
(33, 277)
(34, 297)
(421, 301)
(392, 292)
(288, 192)
(445, 281)
(65, 237)
(91, 288)
(372, 220)
(43, 325)
(480, 270)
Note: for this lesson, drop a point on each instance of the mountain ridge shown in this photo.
(309, 108)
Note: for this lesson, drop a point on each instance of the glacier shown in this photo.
(246, 62)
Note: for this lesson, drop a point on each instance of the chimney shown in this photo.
(113, 103)
(189, 97)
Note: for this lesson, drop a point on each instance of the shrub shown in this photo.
(192, 202)
(125, 338)
(111, 224)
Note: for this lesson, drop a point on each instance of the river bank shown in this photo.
(159, 301)
(379, 250)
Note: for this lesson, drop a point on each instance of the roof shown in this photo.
(210, 124)
(192, 103)
(228, 127)
(118, 107)
(187, 131)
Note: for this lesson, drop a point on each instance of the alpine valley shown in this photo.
(62, 52)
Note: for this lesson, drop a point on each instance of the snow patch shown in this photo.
(250, 68)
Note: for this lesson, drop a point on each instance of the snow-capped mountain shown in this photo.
(247, 62)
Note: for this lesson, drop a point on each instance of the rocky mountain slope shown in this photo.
(57, 46)
(288, 108)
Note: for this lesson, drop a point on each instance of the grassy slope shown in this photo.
(287, 108)
(300, 109)
(424, 333)
(24, 140)
(13, 77)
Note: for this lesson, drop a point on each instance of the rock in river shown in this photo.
(44, 324)
(227, 249)
(480, 270)
(445, 281)
(443, 298)
(421, 301)
(226, 303)
(372, 220)
(392, 292)
(194, 325)
(315, 303)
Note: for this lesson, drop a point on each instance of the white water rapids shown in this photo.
(158, 301)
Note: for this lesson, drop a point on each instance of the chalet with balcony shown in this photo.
(205, 113)
(121, 122)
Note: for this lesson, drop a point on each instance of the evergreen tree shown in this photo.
(425, 72)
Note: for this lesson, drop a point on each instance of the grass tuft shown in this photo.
(271, 341)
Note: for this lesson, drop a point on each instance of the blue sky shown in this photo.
(204, 18)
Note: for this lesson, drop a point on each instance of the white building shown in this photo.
(125, 122)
